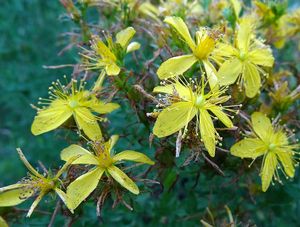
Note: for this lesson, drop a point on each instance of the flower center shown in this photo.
(200, 100)
(272, 146)
(243, 56)
(73, 104)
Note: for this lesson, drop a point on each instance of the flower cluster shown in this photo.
(207, 74)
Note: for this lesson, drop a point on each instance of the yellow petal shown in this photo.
(236, 7)
(252, 80)
(262, 57)
(50, 118)
(123, 37)
(244, 34)
(178, 24)
(248, 148)
(27, 164)
(3, 223)
(268, 170)
(63, 196)
(82, 187)
(207, 131)
(133, 46)
(103, 108)
(217, 111)
(99, 82)
(35, 203)
(111, 142)
(14, 196)
(211, 74)
(174, 118)
(87, 122)
(112, 69)
(261, 125)
(123, 179)
(229, 71)
(175, 88)
(286, 160)
(132, 156)
(74, 150)
(175, 66)
(103, 50)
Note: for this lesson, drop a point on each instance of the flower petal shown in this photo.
(102, 49)
(211, 74)
(175, 66)
(14, 196)
(249, 148)
(244, 34)
(261, 125)
(35, 203)
(87, 122)
(174, 118)
(123, 37)
(27, 164)
(252, 81)
(207, 131)
(111, 142)
(178, 24)
(63, 196)
(229, 71)
(82, 187)
(74, 150)
(50, 118)
(112, 69)
(103, 108)
(268, 170)
(217, 111)
(123, 179)
(132, 156)
(133, 46)
(286, 160)
(262, 57)
(175, 88)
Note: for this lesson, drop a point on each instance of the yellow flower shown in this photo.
(184, 101)
(103, 160)
(202, 50)
(110, 57)
(245, 61)
(271, 143)
(66, 102)
(32, 185)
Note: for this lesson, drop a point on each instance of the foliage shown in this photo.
(138, 63)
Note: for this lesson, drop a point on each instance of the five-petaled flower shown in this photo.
(186, 100)
(245, 61)
(103, 160)
(65, 102)
(202, 50)
(271, 143)
(32, 185)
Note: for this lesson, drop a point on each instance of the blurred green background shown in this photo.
(31, 36)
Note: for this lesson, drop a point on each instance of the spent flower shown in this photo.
(104, 161)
